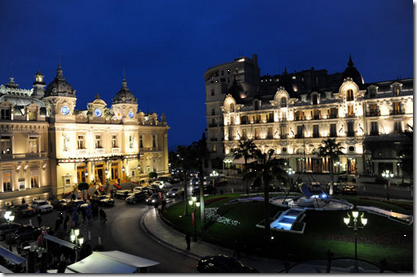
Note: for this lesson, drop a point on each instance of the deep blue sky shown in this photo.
(166, 46)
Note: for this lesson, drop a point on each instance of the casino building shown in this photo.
(48, 147)
(292, 113)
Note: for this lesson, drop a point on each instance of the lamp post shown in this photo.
(9, 216)
(139, 172)
(388, 175)
(194, 205)
(77, 239)
(352, 221)
(290, 172)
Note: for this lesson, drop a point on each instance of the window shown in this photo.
(6, 145)
(350, 132)
(350, 111)
(244, 133)
(316, 133)
(232, 107)
(398, 127)
(333, 113)
(34, 182)
(299, 132)
(374, 129)
(213, 111)
(396, 108)
(283, 116)
(141, 141)
(316, 114)
(256, 105)
(131, 141)
(299, 115)
(98, 142)
(114, 141)
(212, 92)
(372, 92)
(257, 133)
(349, 95)
(396, 90)
(32, 115)
(5, 114)
(333, 130)
(214, 148)
(7, 181)
(283, 132)
(81, 142)
(33, 145)
(373, 109)
(283, 102)
(315, 99)
(269, 132)
(154, 141)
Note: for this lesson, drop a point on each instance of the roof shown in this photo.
(125, 95)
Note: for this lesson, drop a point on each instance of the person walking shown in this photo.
(39, 219)
(188, 240)
(66, 221)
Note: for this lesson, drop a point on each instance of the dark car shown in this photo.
(61, 205)
(154, 198)
(206, 189)
(7, 228)
(155, 188)
(24, 210)
(27, 233)
(349, 189)
(135, 197)
(222, 264)
(75, 204)
(175, 191)
(102, 200)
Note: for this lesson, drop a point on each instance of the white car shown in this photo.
(42, 206)
(137, 189)
(175, 191)
(162, 184)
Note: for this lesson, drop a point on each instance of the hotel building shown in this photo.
(292, 113)
(48, 147)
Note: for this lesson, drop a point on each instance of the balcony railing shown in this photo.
(23, 156)
(151, 149)
(397, 112)
(350, 134)
(374, 133)
(373, 113)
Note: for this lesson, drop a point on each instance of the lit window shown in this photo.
(6, 145)
(81, 142)
(98, 141)
(114, 141)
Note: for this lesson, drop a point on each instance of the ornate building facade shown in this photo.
(293, 113)
(48, 147)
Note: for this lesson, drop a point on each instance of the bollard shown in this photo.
(99, 240)
(30, 222)
(232, 190)
(89, 235)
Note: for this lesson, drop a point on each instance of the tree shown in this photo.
(332, 150)
(82, 187)
(263, 171)
(245, 150)
(153, 175)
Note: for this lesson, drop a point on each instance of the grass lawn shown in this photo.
(381, 238)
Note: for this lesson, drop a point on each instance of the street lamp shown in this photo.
(352, 222)
(9, 216)
(194, 205)
(290, 172)
(77, 239)
(388, 175)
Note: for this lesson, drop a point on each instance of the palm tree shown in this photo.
(245, 150)
(332, 150)
(263, 171)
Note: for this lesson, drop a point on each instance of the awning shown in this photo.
(5, 270)
(60, 241)
(8, 255)
(115, 262)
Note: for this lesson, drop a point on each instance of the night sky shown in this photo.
(166, 46)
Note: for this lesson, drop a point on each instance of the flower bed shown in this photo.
(211, 214)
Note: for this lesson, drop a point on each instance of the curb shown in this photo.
(157, 239)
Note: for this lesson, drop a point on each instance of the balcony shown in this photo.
(151, 149)
(350, 115)
(82, 152)
(397, 112)
(115, 150)
(332, 116)
(373, 113)
(24, 156)
(374, 133)
(350, 134)
(299, 136)
(99, 151)
(283, 136)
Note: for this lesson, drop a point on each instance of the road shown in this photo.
(123, 232)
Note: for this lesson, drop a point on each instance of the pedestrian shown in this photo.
(103, 216)
(39, 219)
(84, 213)
(164, 202)
(156, 206)
(188, 240)
(57, 224)
(72, 196)
(66, 221)
(23, 201)
(111, 193)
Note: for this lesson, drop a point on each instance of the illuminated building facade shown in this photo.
(293, 113)
(47, 146)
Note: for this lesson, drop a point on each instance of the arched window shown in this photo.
(349, 95)
(283, 102)
(232, 107)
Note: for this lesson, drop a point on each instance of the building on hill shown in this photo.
(292, 113)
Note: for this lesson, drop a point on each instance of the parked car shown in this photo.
(206, 190)
(61, 205)
(175, 179)
(102, 200)
(222, 264)
(167, 179)
(122, 193)
(6, 228)
(194, 181)
(138, 188)
(27, 233)
(148, 190)
(349, 189)
(154, 198)
(175, 191)
(155, 188)
(42, 206)
(135, 197)
(257, 188)
(23, 210)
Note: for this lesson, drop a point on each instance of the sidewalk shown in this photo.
(162, 233)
